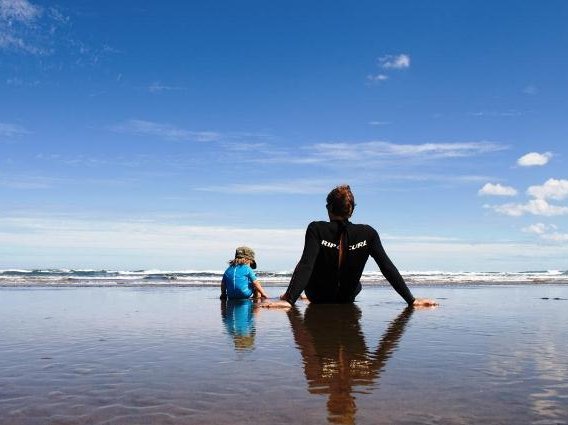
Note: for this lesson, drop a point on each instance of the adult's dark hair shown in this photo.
(341, 202)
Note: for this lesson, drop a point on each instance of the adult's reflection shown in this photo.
(238, 318)
(336, 357)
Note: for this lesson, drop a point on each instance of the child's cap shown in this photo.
(246, 252)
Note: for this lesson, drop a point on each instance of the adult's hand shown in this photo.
(424, 302)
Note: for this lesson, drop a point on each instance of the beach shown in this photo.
(179, 355)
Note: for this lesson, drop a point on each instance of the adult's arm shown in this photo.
(305, 267)
(389, 341)
(388, 269)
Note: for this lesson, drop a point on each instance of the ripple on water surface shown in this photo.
(181, 356)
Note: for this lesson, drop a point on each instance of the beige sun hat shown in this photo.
(246, 252)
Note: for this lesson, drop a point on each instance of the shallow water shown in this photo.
(494, 354)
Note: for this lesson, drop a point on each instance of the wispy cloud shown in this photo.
(497, 190)
(352, 155)
(157, 87)
(41, 182)
(291, 187)
(245, 146)
(12, 42)
(164, 131)
(378, 123)
(21, 27)
(18, 11)
(88, 161)
(530, 90)
(42, 30)
(494, 114)
(401, 61)
(26, 182)
(20, 82)
(534, 159)
(380, 149)
(8, 131)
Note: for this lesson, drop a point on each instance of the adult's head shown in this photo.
(340, 202)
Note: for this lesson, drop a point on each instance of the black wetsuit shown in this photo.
(325, 281)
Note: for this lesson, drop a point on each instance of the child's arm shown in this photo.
(258, 287)
(223, 289)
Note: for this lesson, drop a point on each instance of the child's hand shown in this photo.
(276, 304)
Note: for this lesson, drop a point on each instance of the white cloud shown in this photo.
(164, 131)
(538, 228)
(497, 190)
(547, 232)
(535, 207)
(533, 159)
(401, 61)
(377, 123)
(551, 189)
(74, 241)
(377, 78)
(141, 243)
(556, 237)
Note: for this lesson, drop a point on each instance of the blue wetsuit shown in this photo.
(238, 281)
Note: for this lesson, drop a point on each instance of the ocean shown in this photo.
(69, 277)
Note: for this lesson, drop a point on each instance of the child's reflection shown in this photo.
(238, 317)
(336, 357)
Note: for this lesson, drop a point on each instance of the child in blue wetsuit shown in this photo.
(239, 280)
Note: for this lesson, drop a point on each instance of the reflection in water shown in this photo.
(336, 357)
(238, 317)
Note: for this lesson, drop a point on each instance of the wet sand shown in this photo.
(493, 354)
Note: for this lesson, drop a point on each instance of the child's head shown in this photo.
(244, 255)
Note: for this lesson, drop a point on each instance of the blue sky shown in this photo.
(163, 134)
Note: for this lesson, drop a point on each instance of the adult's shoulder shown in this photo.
(317, 225)
(363, 226)
(366, 228)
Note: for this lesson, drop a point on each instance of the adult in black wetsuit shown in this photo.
(334, 257)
